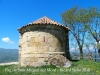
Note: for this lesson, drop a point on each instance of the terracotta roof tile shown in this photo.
(44, 20)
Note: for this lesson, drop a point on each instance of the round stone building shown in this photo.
(40, 40)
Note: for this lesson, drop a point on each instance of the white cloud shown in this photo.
(7, 40)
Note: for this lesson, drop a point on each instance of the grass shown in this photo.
(81, 67)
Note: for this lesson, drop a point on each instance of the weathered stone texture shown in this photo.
(59, 61)
(38, 39)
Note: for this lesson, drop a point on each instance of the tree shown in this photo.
(90, 45)
(77, 18)
(94, 24)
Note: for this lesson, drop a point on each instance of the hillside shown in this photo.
(7, 55)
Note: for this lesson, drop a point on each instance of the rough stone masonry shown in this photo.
(41, 39)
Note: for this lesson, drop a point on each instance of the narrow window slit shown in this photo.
(44, 39)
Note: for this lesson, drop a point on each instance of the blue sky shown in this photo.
(16, 13)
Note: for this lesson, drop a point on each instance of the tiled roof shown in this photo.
(44, 21)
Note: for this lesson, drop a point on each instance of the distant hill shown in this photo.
(7, 55)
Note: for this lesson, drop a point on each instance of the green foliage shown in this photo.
(81, 67)
(94, 24)
(98, 45)
(83, 22)
(77, 19)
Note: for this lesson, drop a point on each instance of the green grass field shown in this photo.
(81, 67)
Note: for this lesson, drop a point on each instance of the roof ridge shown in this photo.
(45, 20)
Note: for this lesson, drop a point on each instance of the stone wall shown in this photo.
(38, 42)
